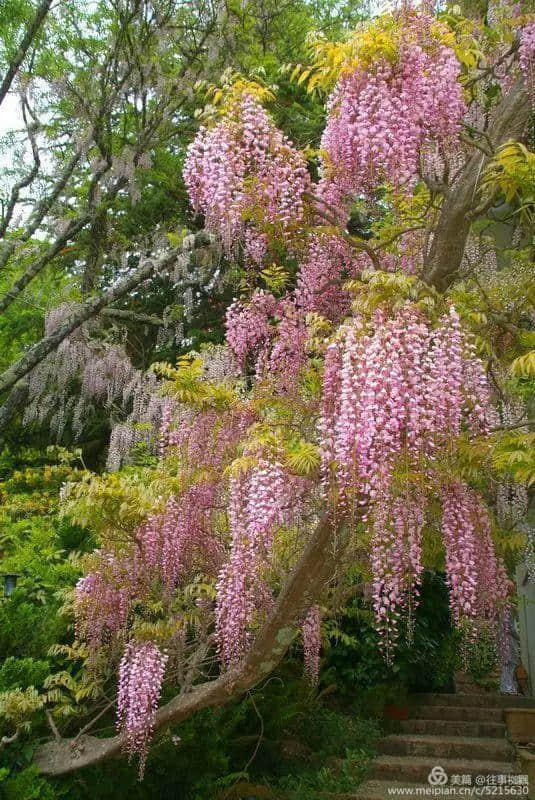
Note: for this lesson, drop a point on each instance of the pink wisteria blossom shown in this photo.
(381, 116)
(140, 680)
(244, 168)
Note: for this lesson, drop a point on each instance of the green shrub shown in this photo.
(29, 785)
(22, 672)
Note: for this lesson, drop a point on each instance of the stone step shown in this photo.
(383, 790)
(452, 727)
(407, 744)
(418, 768)
(484, 700)
(457, 713)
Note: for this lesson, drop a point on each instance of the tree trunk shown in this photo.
(449, 240)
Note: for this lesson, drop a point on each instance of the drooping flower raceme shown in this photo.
(395, 397)
(327, 262)
(173, 542)
(202, 438)
(476, 578)
(140, 681)
(288, 354)
(259, 502)
(244, 168)
(381, 114)
(396, 561)
(312, 643)
(403, 389)
(511, 503)
(170, 546)
(268, 336)
(493, 584)
(250, 327)
(526, 53)
(105, 375)
(460, 540)
(103, 598)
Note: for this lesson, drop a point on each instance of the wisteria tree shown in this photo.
(371, 394)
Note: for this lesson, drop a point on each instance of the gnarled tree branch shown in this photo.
(315, 569)
(93, 306)
(89, 309)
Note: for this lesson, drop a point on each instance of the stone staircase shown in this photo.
(462, 733)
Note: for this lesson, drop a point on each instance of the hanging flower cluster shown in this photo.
(460, 540)
(173, 543)
(494, 587)
(169, 546)
(288, 354)
(244, 168)
(381, 115)
(203, 438)
(140, 681)
(103, 598)
(396, 397)
(249, 328)
(327, 262)
(526, 53)
(476, 578)
(402, 389)
(408, 255)
(267, 336)
(511, 503)
(260, 501)
(105, 375)
(396, 559)
(529, 552)
(312, 644)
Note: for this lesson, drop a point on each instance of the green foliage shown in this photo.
(524, 366)
(18, 706)
(29, 785)
(301, 748)
(512, 174)
(276, 278)
(22, 673)
(344, 775)
(122, 498)
(425, 661)
(41, 549)
(27, 627)
(479, 654)
(376, 288)
(14, 17)
(514, 455)
(187, 384)
(302, 457)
